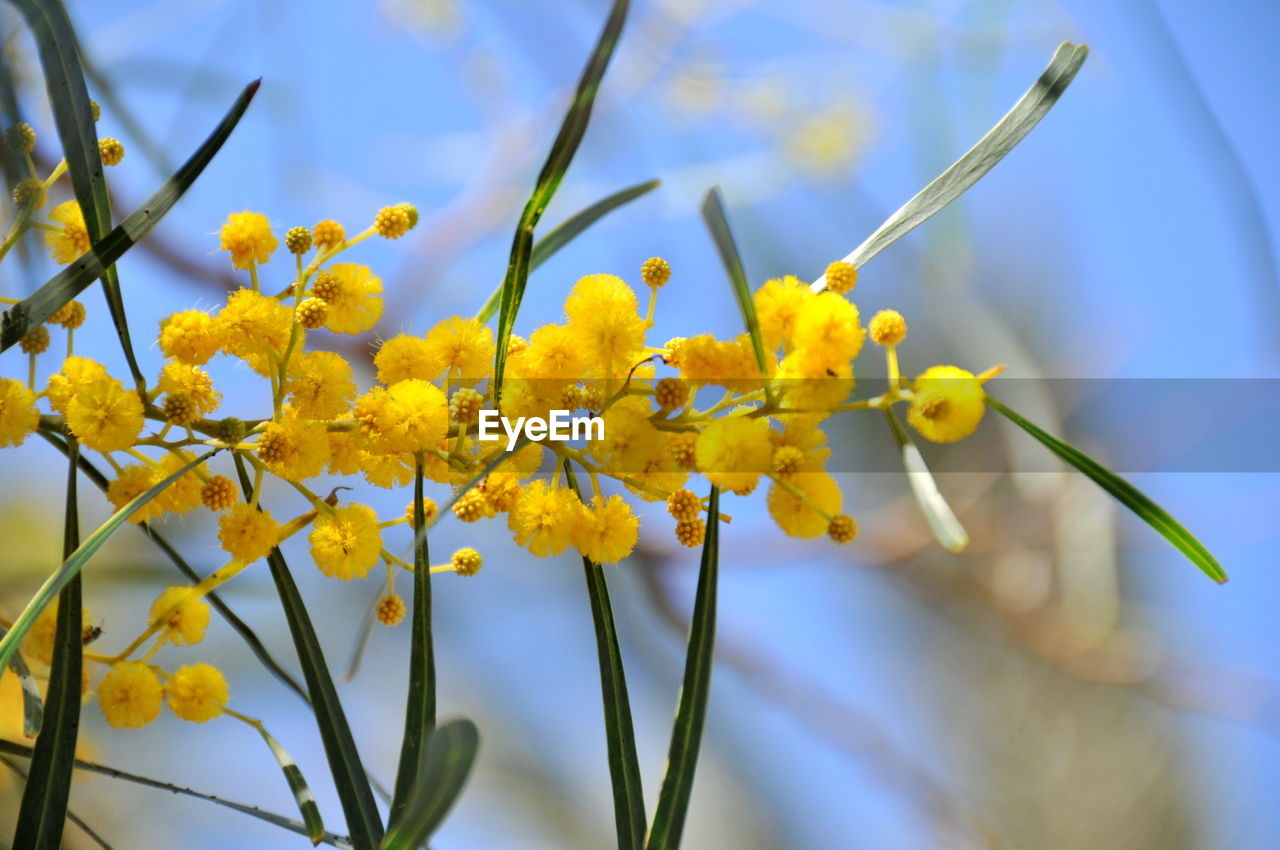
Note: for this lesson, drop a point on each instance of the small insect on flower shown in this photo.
(90, 634)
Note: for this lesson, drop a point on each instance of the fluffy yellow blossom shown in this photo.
(464, 348)
(354, 299)
(247, 533)
(409, 416)
(778, 303)
(193, 383)
(887, 328)
(320, 385)
(71, 239)
(346, 544)
(733, 452)
(607, 531)
(386, 470)
(192, 336)
(184, 493)
(429, 511)
(247, 235)
(827, 324)
(603, 315)
(841, 276)
(105, 416)
(132, 481)
(70, 315)
(543, 518)
(294, 448)
(19, 415)
(811, 382)
(198, 692)
(255, 328)
(403, 357)
(182, 613)
(130, 695)
(796, 515)
(948, 404)
(554, 352)
(76, 374)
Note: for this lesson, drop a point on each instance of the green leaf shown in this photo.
(980, 159)
(562, 151)
(290, 824)
(713, 214)
(620, 736)
(43, 811)
(298, 785)
(420, 706)
(250, 638)
(1124, 492)
(691, 712)
(450, 754)
(349, 778)
(946, 529)
(71, 816)
(67, 284)
(564, 233)
(73, 564)
(73, 117)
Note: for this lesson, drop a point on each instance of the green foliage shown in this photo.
(450, 754)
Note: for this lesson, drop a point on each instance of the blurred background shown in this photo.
(1070, 681)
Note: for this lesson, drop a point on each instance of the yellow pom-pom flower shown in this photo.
(198, 692)
(328, 234)
(192, 336)
(463, 346)
(218, 494)
(297, 240)
(105, 416)
(255, 328)
(887, 328)
(294, 448)
(655, 271)
(70, 315)
(193, 383)
(247, 235)
(603, 314)
(35, 341)
(346, 544)
(841, 276)
(132, 481)
(76, 374)
(110, 150)
(410, 416)
(733, 452)
(778, 303)
(320, 385)
(796, 515)
(19, 415)
(182, 613)
(607, 531)
(130, 695)
(247, 533)
(395, 221)
(429, 511)
(389, 610)
(71, 239)
(543, 518)
(827, 324)
(466, 562)
(355, 299)
(948, 405)
(684, 505)
(403, 357)
(843, 528)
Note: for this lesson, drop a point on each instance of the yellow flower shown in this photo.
(543, 518)
(403, 357)
(76, 374)
(254, 325)
(888, 328)
(812, 382)
(328, 234)
(192, 336)
(466, 562)
(603, 314)
(38, 643)
(607, 531)
(247, 533)
(347, 543)
(734, 451)
(193, 383)
(389, 609)
(463, 346)
(655, 271)
(320, 385)
(105, 416)
(409, 416)
(183, 494)
(827, 324)
(841, 276)
(386, 470)
(19, 415)
(948, 404)
(219, 494)
(110, 150)
(344, 452)
(395, 221)
(130, 695)
(778, 303)
(247, 235)
(198, 692)
(69, 241)
(795, 515)
(554, 352)
(294, 448)
(134, 480)
(355, 302)
(684, 505)
(182, 613)
(803, 435)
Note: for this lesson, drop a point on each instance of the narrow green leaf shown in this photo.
(620, 736)
(43, 811)
(1124, 492)
(73, 117)
(67, 284)
(691, 712)
(73, 564)
(450, 754)
(349, 778)
(562, 151)
(713, 214)
(981, 158)
(250, 638)
(72, 817)
(298, 785)
(946, 529)
(290, 824)
(565, 232)
(420, 706)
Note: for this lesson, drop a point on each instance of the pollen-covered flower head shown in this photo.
(464, 348)
(192, 336)
(193, 383)
(603, 314)
(887, 328)
(76, 374)
(71, 238)
(948, 405)
(132, 481)
(403, 357)
(811, 381)
(320, 385)
(778, 303)
(389, 609)
(409, 416)
(734, 451)
(247, 533)
(543, 518)
(105, 416)
(354, 297)
(247, 235)
(254, 328)
(606, 531)
(198, 692)
(182, 613)
(827, 324)
(130, 695)
(792, 505)
(19, 415)
(346, 544)
(294, 448)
